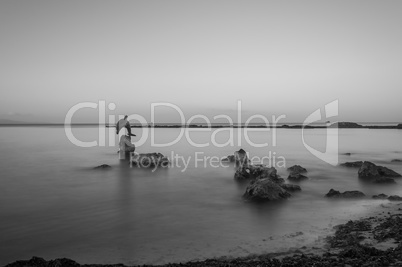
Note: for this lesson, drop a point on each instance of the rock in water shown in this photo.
(297, 169)
(369, 170)
(265, 190)
(347, 194)
(380, 196)
(354, 164)
(395, 198)
(332, 193)
(396, 160)
(296, 173)
(103, 166)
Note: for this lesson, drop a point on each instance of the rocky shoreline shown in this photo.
(375, 240)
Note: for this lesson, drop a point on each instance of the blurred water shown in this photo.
(53, 204)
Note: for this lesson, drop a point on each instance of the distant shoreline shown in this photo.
(284, 126)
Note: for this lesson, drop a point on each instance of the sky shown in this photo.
(276, 57)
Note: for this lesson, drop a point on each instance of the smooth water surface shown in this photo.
(53, 203)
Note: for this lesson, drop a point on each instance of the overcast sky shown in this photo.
(277, 57)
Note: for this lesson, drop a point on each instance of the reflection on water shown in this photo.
(53, 204)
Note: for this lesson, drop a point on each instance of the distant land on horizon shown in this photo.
(290, 125)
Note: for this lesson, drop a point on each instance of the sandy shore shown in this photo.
(373, 240)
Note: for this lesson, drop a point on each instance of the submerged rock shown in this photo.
(353, 164)
(149, 160)
(380, 196)
(347, 194)
(371, 172)
(265, 190)
(103, 166)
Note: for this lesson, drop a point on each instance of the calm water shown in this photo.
(53, 204)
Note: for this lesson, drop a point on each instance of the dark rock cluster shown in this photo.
(264, 182)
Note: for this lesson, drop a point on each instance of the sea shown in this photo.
(54, 204)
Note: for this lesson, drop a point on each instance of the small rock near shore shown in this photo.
(103, 166)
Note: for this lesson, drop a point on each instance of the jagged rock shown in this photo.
(354, 164)
(369, 170)
(380, 196)
(148, 160)
(395, 198)
(347, 194)
(103, 166)
(265, 190)
(291, 187)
